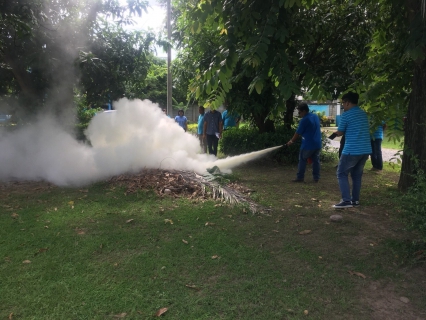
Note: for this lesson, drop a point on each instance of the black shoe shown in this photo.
(343, 205)
(297, 180)
(355, 203)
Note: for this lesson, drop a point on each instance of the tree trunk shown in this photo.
(264, 125)
(288, 116)
(414, 157)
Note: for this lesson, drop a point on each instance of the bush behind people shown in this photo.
(246, 140)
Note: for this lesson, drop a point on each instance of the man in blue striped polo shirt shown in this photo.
(355, 126)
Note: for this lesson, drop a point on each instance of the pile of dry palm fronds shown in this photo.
(187, 184)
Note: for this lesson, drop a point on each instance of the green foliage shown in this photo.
(192, 128)
(246, 140)
(84, 115)
(324, 121)
(116, 65)
(40, 41)
(257, 54)
(154, 86)
(414, 205)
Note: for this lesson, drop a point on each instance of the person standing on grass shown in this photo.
(200, 129)
(229, 120)
(182, 120)
(376, 148)
(212, 131)
(354, 125)
(310, 131)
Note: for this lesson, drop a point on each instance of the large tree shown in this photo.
(40, 40)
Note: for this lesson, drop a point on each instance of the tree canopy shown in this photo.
(46, 46)
(263, 54)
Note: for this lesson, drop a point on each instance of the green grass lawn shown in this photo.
(100, 253)
(390, 143)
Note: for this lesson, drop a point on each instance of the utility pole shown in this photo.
(169, 59)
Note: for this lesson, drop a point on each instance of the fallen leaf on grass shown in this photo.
(71, 203)
(161, 311)
(130, 220)
(297, 206)
(404, 299)
(10, 316)
(168, 221)
(26, 261)
(120, 316)
(41, 250)
(191, 286)
(355, 273)
(306, 312)
(14, 215)
(184, 241)
(305, 232)
(210, 224)
(215, 256)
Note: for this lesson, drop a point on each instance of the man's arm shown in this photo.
(293, 139)
(336, 134)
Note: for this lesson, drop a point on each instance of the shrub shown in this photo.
(414, 205)
(192, 128)
(245, 140)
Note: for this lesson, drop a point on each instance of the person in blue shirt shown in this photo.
(200, 128)
(229, 120)
(310, 131)
(182, 120)
(355, 126)
(376, 148)
(213, 126)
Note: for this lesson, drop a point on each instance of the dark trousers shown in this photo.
(212, 142)
(376, 155)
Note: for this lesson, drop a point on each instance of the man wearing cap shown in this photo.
(355, 126)
(310, 131)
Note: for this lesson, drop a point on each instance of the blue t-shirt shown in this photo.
(309, 129)
(378, 134)
(200, 123)
(213, 119)
(229, 120)
(181, 120)
(354, 124)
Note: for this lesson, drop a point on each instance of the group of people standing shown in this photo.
(211, 124)
(358, 145)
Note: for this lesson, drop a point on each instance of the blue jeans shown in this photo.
(355, 166)
(376, 155)
(303, 158)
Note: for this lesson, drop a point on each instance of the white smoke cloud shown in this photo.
(135, 136)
